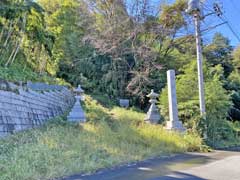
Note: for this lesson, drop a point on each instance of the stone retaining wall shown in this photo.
(24, 108)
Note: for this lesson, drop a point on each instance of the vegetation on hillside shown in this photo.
(111, 137)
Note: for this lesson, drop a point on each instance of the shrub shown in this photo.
(217, 102)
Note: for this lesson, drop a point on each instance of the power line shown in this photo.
(216, 10)
(205, 7)
(220, 14)
(230, 27)
(213, 27)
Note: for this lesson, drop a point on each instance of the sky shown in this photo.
(231, 12)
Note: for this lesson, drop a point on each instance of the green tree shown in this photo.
(234, 85)
(219, 52)
(22, 32)
(218, 101)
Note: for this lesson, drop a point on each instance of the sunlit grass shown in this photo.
(111, 137)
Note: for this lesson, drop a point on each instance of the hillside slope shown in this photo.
(110, 137)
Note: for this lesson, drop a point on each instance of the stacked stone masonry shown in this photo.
(25, 108)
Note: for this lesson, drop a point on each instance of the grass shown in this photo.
(104, 100)
(111, 137)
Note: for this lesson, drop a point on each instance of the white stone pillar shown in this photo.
(173, 123)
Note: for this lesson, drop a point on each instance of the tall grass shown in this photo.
(111, 137)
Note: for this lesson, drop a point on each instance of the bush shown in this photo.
(18, 72)
(217, 103)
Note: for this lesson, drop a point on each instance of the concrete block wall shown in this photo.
(25, 108)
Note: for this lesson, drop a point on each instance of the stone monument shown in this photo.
(77, 114)
(153, 115)
(173, 123)
(124, 103)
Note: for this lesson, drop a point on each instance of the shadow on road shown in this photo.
(152, 169)
(178, 176)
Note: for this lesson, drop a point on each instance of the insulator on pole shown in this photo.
(195, 7)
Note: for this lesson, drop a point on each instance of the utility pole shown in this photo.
(194, 8)
(199, 64)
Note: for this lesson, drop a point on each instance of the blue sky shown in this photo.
(231, 10)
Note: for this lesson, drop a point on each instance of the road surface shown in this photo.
(218, 165)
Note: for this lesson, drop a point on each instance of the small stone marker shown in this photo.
(77, 114)
(153, 115)
(173, 123)
(124, 103)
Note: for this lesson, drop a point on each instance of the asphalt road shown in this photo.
(218, 165)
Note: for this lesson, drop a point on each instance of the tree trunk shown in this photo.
(10, 57)
(20, 41)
